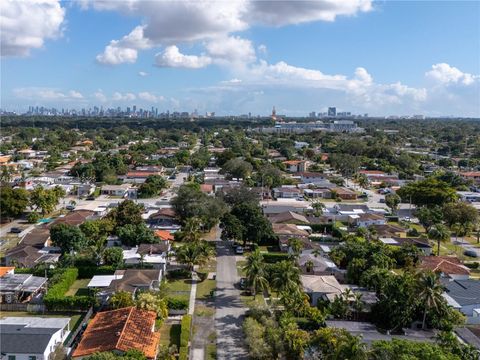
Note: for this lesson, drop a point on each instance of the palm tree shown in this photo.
(429, 292)
(194, 253)
(191, 230)
(286, 276)
(97, 249)
(357, 303)
(296, 246)
(439, 233)
(318, 207)
(255, 272)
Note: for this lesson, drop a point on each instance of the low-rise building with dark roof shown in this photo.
(18, 288)
(464, 295)
(32, 337)
(75, 218)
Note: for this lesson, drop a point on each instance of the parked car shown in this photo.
(91, 197)
(470, 253)
(239, 250)
(70, 207)
(16, 230)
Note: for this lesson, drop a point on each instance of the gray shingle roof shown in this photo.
(18, 339)
(464, 292)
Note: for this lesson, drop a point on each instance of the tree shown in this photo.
(132, 235)
(429, 216)
(153, 302)
(152, 186)
(45, 199)
(256, 228)
(296, 246)
(126, 213)
(428, 192)
(96, 230)
(239, 195)
(460, 213)
(439, 233)
(429, 292)
(237, 168)
(334, 343)
(13, 202)
(33, 217)
(232, 228)
(392, 201)
(194, 253)
(68, 238)
(121, 299)
(113, 256)
(190, 231)
(318, 208)
(286, 276)
(255, 272)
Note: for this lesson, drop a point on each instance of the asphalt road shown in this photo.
(229, 308)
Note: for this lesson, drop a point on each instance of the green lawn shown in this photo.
(79, 287)
(205, 288)
(251, 301)
(170, 335)
(211, 352)
(179, 288)
(201, 310)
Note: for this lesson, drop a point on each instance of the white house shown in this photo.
(32, 338)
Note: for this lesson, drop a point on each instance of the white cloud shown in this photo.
(100, 96)
(168, 23)
(123, 97)
(26, 24)
(46, 94)
(146, 96)
(262, 49)
(126, 49)
(142, 73)
(231, 49)
(172, 57)
(443, 73)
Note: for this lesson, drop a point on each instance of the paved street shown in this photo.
(229, 308)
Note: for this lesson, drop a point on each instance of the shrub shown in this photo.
(179, 274)
(87, 272)
(66, 279)
(272, 258)
(185, 337)
(33, 217)
(177, 303)
(473, 265)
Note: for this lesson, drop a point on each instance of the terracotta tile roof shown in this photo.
(165, 212)
(444, 264)
(372, 172)
(5, 270)
(164, 235)
(206, 188)
(471, 174)
(121, 330)
(293, 162)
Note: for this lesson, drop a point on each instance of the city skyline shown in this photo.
(380, 58)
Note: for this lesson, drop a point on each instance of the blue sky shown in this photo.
(381, 58)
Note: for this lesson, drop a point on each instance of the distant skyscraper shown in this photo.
(332, 111)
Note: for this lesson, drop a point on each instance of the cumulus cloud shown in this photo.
(146, 96)
(231, 49)
(26, 24)
(172, 57)
(126, 49)
(169, 23)
(47, 94)
(100, 96)
(142, 73)
(123, 97)
(443, 73)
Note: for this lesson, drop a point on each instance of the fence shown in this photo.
(33, 308)
(73, 335)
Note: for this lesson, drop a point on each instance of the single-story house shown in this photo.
(74, 218)
(421, 244)
(447, 266)
(116, 190)
(344, 193)
(287, 192)
(321, 287)
(464, 295)
(32, 338)
(289, 231)
(295, 166)
(289, 217)
(312, 178)
(313, 264)
(119, 331)
(20, 288)
(366, 220)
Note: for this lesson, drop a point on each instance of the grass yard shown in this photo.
(251, 301)
(204, 311)
(170, 335)
(179, 288)
(79, 288)
(205, 288)
(211, 353)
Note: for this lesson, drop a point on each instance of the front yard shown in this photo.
(79, 288)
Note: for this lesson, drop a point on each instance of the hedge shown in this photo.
(65, 280)
(55, 298)
(272, 258)
(185, 337)
(87, 272)
(329, 228)
(177, 303)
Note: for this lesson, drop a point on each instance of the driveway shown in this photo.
(229, 308)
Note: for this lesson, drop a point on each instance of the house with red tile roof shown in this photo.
(449, 266)
(295, 166)
(164, 235)
(120, 330)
